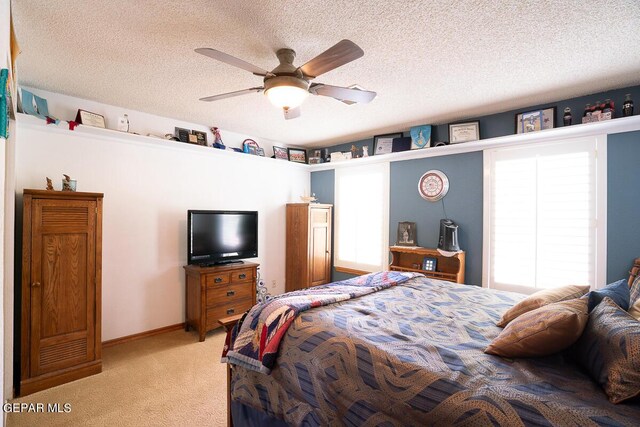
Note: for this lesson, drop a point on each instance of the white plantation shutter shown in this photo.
(361, 217)
(542, 215)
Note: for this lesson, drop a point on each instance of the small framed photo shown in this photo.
(182, 134)
(383, 144)
(251, 149)
(464, 132)
(429, 263)
(260, 152)
(420, 136)
(406, 234)
(201, 137)
(280, 153)
(533, 121)
(87, 118)
(297, 155)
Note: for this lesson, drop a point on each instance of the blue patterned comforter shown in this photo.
(413, 355)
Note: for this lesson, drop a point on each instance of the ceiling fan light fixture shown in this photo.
(286, 92)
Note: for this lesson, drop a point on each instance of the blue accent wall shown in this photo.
(463, 204)
(623, 203)
(322, 184)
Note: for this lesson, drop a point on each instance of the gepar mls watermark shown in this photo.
(60, 408)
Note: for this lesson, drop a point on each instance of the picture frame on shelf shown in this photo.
(535, 120)
(464, 132)
(260, 152)
(182, 134)
(201, 137)
(383, 144)
(297, 155)
(251, 149)
(280, 153)
(420, 137)
(406, 234)
(429, 263)
(88, 118)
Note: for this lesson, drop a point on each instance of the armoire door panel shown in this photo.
(64, 284)
(318, 254)
(63, 276)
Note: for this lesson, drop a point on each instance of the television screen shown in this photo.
(216, 237)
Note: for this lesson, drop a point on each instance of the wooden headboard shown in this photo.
(635, 270)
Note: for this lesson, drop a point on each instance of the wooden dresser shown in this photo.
(214, 293)
(61, 288)
(308, 252)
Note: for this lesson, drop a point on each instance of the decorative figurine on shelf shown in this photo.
(309, 199)
(567, 118)
(68, 184)
(217, 138)
(49, 184)
(354, 152)
(365, 151)
(627, 106)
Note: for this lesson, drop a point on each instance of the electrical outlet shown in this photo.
(273, 284)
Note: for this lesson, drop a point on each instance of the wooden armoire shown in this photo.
(61, 288)
(308, 252)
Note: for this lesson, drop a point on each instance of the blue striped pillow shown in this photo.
(617, 291)
(609, 349)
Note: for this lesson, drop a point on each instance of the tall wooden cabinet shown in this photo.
(61, 288)
(308, 261)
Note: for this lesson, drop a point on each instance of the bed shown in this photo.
(413, 354)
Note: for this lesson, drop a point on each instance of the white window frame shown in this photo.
(600, 250)
(340, 263)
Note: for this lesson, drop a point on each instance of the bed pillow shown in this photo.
(609, 350)
(543, 331)
(617, 291)
(634, 290)
(634, 310)
(542, 298)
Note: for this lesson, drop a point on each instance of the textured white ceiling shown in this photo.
(430, 62)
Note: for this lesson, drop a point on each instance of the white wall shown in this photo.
(148, 186)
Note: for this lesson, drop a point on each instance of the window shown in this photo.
(544, 208)
(362, 217)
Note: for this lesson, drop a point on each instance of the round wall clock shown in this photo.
(433, 185)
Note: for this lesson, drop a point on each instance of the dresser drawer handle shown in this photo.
(231, 293)
(217, 280)
(231, 311)
(242, 276)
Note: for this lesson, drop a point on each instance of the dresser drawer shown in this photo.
(217, 279)
(241, 275)
(229, 293)
(226, 310)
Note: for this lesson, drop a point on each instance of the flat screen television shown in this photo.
(221, 237)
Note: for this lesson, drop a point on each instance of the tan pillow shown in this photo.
(634, 310)
(542, 298)
(543, 331)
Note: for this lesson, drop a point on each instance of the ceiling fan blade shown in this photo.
(343, 93)
(339, 54)
(291, 113)
(232, 60)
(232, 94)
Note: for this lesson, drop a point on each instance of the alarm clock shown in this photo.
(433, 185)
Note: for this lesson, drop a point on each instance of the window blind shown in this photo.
(361, 217)
(542, 215)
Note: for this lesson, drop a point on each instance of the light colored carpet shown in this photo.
(166, 380)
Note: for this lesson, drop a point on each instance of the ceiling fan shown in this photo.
(287, 86)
